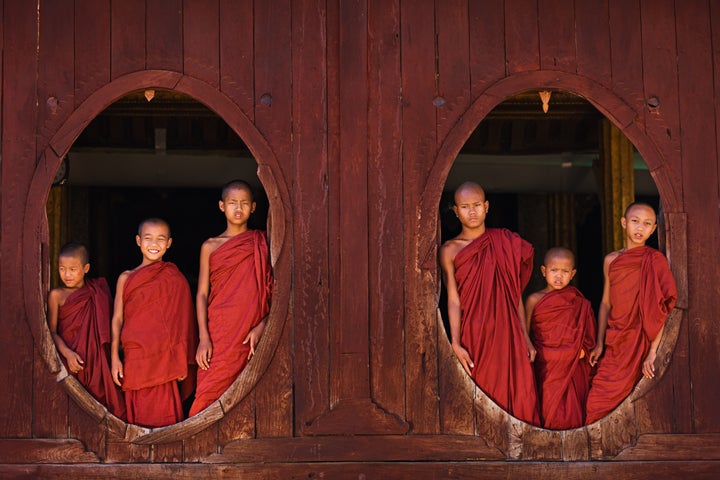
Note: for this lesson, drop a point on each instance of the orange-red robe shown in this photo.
(642, 294)
(84, 325)
(491, 273)
(563, 325)
(240, 290)
(158, 341)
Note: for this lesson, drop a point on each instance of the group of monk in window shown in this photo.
(546, 360)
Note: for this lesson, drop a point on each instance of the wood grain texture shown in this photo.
(127, 37)
(44, 451)
(164, 35)
(201, 58)
(522, 43)
(487, 27)
(592, 41)
(556, 19)
(237, 53)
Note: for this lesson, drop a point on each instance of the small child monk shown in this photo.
(79, 321)
(233, 296)
(562, 325)
(154, 322)
(485, 271)
(638, 294)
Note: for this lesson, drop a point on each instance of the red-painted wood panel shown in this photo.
(85, 428)
(385, 194)
(310, 210)
(201, 40)
(49, 403)
(127, 36)
(236, 53)
(487, 43)
(592, 40)
(164, 30)
(699, 169)
(626, 52)
(419, 140)
(92, 47)
(55, 79)
(274, 393)
(19, 155)
(453, 45)
(522, 44)
(557, 35)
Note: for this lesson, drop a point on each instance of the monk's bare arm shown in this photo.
(524, 326)
(116, 325)
(447, 264)
(74, 361)
(603, 311)
(205, 349)
(648, 367)
(530, 307)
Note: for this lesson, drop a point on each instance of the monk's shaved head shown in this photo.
(638, 204)
(560, 253)
(154, 221)
(236, 184)
(74, 249)
(468, 187)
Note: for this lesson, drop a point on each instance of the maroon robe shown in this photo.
(158, 341)
(84, 325)
(491, 273)
(642, 294)
(563, 326)
(240, 290)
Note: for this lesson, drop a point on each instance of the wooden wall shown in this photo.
(355, 111)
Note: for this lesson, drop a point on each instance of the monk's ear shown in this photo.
(487, 206)
(169, 243)
(653, 229)
(137, 240)
(542, 270)
(623, 222)
(252, 207)
(455, 210)
(221, 204)
(86, 268)
(572, 273)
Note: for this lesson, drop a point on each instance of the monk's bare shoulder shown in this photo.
(213, 243)
(610, 257)
(57, 296)
(451, 247)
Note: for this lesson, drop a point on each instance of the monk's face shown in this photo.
(237, 206)
(558, 271)
(471, 207)
(72, 270)
(639, 223)
(154, 240)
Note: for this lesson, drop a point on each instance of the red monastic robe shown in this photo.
(240, 290)
(491, 273)
(159, 340)
(84, 325)
(563, 325)
(642, 294)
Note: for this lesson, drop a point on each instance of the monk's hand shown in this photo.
(254, 337)
(204, 354)
(75, 362)
(648, 367)
(117, 371)
(595, 354)
(532, 353)
(464, 357)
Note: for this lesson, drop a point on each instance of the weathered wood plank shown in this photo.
(675, 447)
(385, 189)
(202, 444)
(541, 444)
(240, 421)
(592, 40)
(164, 35)
(310, 212)
(236, 53)
(18, 143)
(626, 52)
(44, 451)
(168, 452)
(456, 389)
(92, 47)
(127, 37)
(575, 445)
(522, 44)
(487, 26)
(556, 28)
(358, 448)
(695, 87)
(49, 403)
(201, 58)
(87, 429)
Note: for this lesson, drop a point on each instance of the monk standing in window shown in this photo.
(562, 324)
(638, 295)
(233, 297)
(154, 320)
(485, 271)
(79, 321)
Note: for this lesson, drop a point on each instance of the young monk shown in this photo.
(154, 320)
(485, 271)
(79, 321)
(638, 295)
(562, 324)
(233, 296)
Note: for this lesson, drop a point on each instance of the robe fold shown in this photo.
(491, 273)
(158, 339)
(563, 326)
(642, 294)
(240, 291)
(84, 325)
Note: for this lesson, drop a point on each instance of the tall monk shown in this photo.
(79, 321)
(638, 295)
(154, 320)
(562, 325)
(233, 297)
(485, 271)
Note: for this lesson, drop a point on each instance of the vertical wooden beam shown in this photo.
(561, 219)
(58, 221)
(617, 183)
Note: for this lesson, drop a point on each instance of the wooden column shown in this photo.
(616, 182)
(57, 215)
(561, 220)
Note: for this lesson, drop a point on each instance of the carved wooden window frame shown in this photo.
(35, 240)
(618, 430)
